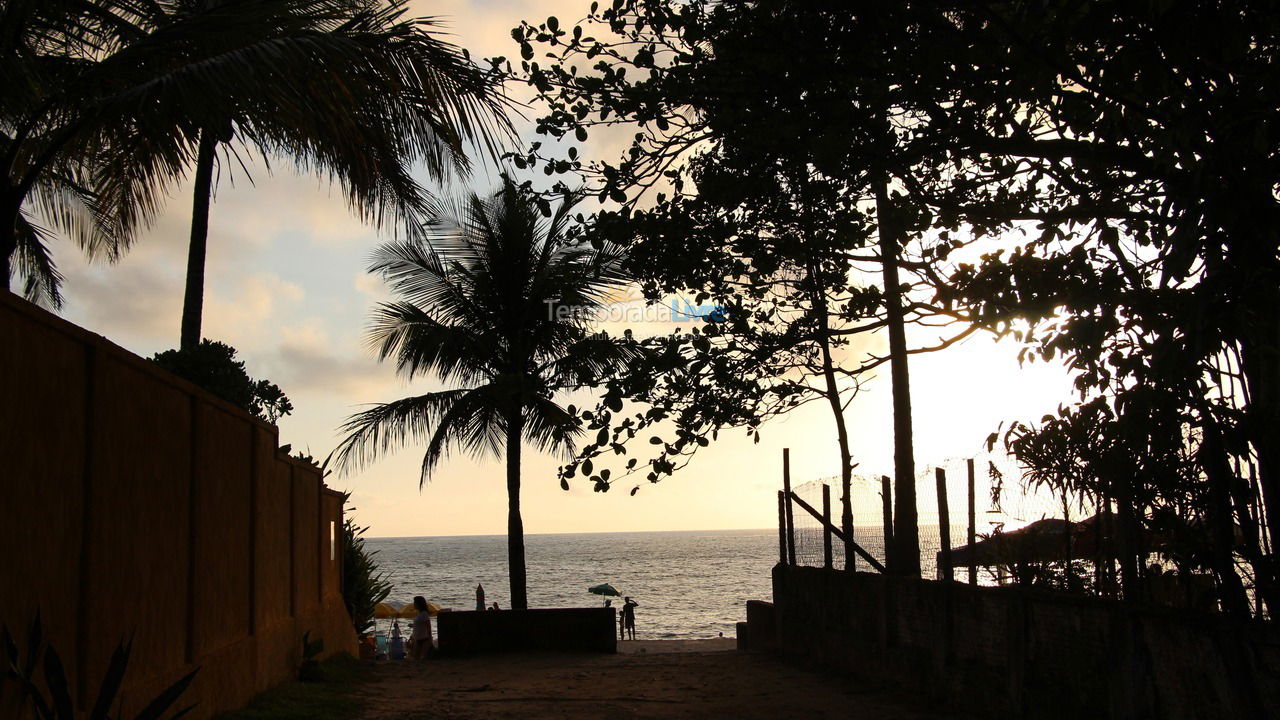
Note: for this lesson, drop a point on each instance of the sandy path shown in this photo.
(653, 679)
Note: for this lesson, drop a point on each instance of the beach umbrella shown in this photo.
(384, 611)
(409, 611)
(604, 589)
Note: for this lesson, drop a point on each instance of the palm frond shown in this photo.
(420, 343)
(119, 91)
(476, 424)
(477, 305)
(40, 277)
(386, 427)
(550, 427)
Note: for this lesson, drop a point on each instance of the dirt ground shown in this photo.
(702, 679)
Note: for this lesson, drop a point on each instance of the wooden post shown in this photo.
(944, 527)
(782, 527)
(973, 528)
(826, 527)
(886, 497)
(791, 521)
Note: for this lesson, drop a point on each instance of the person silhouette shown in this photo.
(629, 616)
(420, 639)
(480, 597)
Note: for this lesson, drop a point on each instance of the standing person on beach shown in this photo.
(629, 616)
(479, 597)
(421, 637)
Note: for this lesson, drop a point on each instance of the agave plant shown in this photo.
(53, 701)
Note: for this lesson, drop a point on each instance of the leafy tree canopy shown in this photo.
(213, 366)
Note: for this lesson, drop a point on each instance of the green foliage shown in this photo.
(482, 309)
(498, 307)
(738, 190)
(53, 700)
(1094, 179)
(106, 102)
(363, 584)
(213, 366)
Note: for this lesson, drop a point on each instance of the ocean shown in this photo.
(690, 584)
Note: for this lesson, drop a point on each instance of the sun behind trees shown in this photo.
(1028, 168)
(497, 304)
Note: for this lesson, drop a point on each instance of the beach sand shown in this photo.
(686, 679)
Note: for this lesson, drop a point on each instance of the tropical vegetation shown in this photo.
(364, 585)
(45, 690)
(112, 101)
(1095, 181)
(498, 306)
(213, 366)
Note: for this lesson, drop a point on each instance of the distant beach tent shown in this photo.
(604, 589)
(1044, 540)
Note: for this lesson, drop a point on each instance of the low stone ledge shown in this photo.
(552, 629)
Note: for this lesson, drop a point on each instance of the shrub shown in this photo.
(363, 585)
(213, 366)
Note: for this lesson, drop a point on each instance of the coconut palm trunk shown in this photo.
(202, 196)
(515, 525)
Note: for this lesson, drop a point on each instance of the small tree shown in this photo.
(213, 366)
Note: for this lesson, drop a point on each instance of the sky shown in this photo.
(286, 286)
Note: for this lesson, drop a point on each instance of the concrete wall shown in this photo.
(135, 505)
(554, 629)
(1028, 654)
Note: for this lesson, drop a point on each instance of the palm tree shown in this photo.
(49, 52)
(347, 88)
(396, 94)
(497, 305)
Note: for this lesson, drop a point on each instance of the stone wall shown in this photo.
(1017, 653)
(135, 505)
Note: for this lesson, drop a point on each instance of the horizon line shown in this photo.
(583, 532)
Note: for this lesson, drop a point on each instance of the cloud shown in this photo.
(307, 360)
(247, 313)
(372, 287)
(137, 303)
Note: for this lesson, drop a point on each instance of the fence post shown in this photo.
(826, 527)
(973, 528)
(782, 527)
(944, 526)
(886, 497)
(791, 521)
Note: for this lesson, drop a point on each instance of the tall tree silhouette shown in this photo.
(115, 112)
(748, 90)
(392, 94)
(497, 304)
